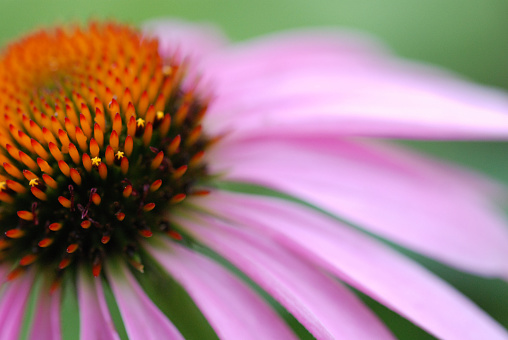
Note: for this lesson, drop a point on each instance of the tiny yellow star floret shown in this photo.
(140, 122)
(166, 70)
(119, 154)
(33, 182)
(3, 186)
(96, 161)
(160, 114)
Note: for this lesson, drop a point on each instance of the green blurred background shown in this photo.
(469, 37)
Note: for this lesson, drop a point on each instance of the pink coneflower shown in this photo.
(117, 164)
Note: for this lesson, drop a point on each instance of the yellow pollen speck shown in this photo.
(166, 70)
(3, 186)
(160, 114)
(119, 154)
(140, 122)
(33, 182)
(96, 161)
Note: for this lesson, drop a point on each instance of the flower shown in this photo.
(120, 167)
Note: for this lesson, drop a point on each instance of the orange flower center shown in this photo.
(99, 139)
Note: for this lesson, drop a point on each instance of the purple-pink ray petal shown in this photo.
(142, 319)
(193, 42)
(95, 320)
(46, 322)
(232, 308)
(13, 300)
(327, 309)
(365, 264)
(436, 209)
(321, 83)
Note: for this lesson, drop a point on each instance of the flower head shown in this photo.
(110, 165)
(99, 139)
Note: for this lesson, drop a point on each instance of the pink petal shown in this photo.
(367, 265)
(142, 319)
(325, 308)
(46, 322)
(190, 41)
(430, 207)
(13, 304)
(95, 319)
(233, 309)
(320, 82)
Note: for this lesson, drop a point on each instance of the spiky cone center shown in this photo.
(99, 140)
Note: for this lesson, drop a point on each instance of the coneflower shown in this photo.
(114, 157)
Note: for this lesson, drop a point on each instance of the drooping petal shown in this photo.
(233, 309)
(433, 208)
(95, 319)
(142, 319)
(365, 264)
(46, 322)
(320, 82)
(325, 308)
(13, 302)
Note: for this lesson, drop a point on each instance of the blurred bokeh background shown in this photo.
(469, 37)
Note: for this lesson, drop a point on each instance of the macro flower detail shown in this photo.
(131, 160)
(86, 171)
